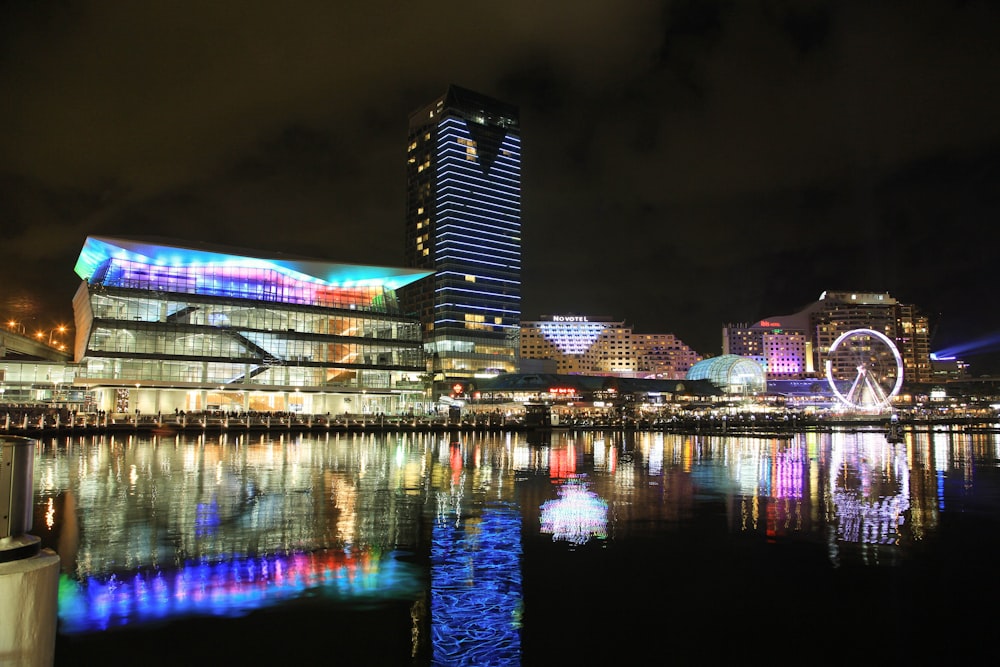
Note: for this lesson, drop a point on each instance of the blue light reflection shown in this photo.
(231, 588)
(476, 595)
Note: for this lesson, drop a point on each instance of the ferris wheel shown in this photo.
(868, 362)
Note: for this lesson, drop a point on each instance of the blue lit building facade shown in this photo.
(463, 223)
(162, 327)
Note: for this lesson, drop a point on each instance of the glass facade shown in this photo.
(165, 316)
(52, 383)
(464, 224)
(731, 373)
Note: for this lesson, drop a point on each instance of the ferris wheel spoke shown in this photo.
(854, 393)
(875, 390)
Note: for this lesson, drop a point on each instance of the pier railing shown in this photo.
(45, 422)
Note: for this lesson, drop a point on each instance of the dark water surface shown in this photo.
(523, 548)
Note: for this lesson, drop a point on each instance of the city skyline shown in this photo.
(685, 164)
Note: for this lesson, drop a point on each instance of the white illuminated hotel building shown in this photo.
(601, 345)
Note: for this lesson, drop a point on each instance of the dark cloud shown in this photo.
(686, 164)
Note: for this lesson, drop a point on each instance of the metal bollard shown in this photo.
(17, 462)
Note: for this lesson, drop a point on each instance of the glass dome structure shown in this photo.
(730, 372)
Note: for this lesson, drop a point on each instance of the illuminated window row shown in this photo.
(509, 184)
(449, 157)
(505, 282)
(488, 201)
(477, 180)
(450, 256)
(260, 348)
(461, 323)
(451, 260)
(492, 296)
(497, 306)
(454, 235)
(160, 371)
(455, 222)
(466, 247)
(238, 282)
(452, 221)
(454, 227)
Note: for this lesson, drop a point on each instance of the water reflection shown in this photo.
(231, 587)
(869, 482)
(476, 588)
(152, 530)
(577, 516)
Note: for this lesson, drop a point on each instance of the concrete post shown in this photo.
(29, 605)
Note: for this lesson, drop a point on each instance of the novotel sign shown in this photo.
(576, 318)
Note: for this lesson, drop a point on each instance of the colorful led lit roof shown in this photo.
(164, 252)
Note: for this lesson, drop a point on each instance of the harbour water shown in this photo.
(522, 548)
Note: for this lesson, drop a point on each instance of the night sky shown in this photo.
(685, 164)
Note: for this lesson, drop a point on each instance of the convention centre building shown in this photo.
(163, 327)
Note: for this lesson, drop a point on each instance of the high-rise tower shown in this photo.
(463, 221)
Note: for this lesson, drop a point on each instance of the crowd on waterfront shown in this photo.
(34, 420)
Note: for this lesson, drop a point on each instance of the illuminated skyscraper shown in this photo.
(463, 221)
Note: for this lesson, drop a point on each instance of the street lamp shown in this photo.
(40, 335)
(61, 329)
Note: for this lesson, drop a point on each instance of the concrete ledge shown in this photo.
(29, 607)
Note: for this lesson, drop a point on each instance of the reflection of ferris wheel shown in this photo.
(868, 362)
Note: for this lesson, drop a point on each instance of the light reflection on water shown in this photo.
(151, 529)
(232, 587)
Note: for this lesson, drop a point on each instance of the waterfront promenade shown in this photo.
(47, 423)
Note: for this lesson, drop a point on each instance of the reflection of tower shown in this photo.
(476, 593)
(463, 221)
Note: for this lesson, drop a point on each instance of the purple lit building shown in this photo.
(796, 346)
